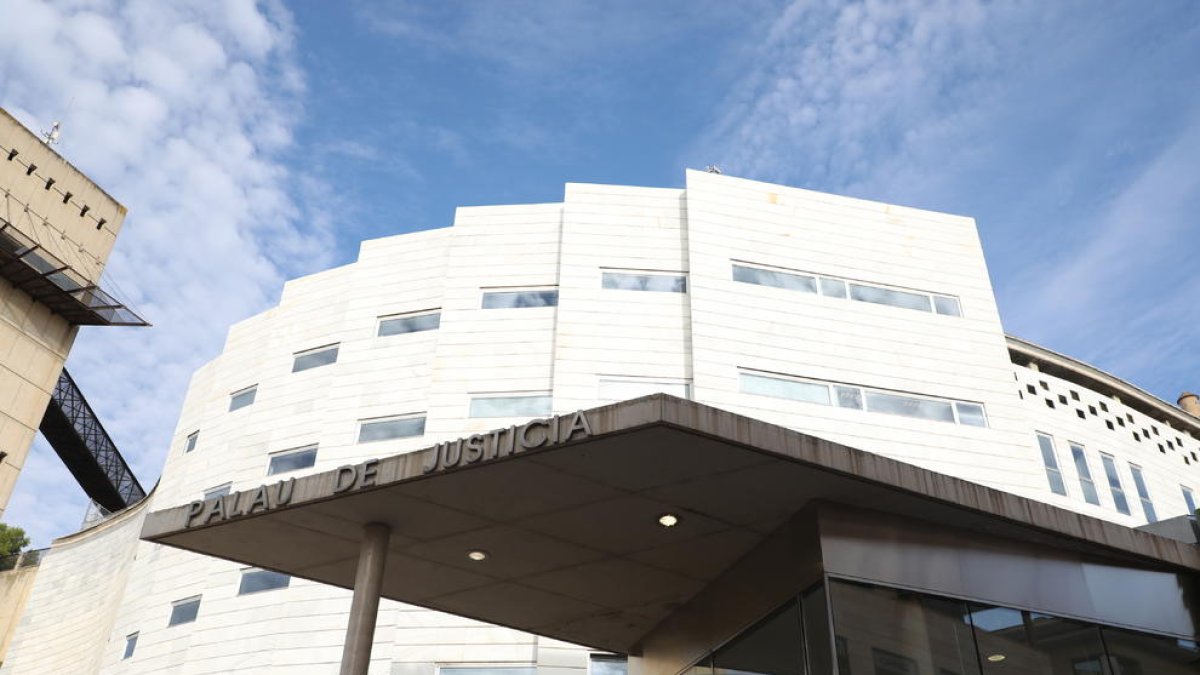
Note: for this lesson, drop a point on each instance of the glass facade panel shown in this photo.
(292, 460)
(1143, 493)
(242, 398)
(488, 670)
(890, 296)
(761, 277)
(1050, 461)
(1189, 499)
(946, 305)
(130, 645)
(219, 491)
(520, 299)
(191, 441)
(1014, 641)
(773, 647)
(908, 406)
(409, 324)
(184, 611)
(1140, 654)
(1114, 483)
(970, 414)
(387, 429)
(833, 288)
(608, 664)
(511, 406)
(629, 281)
(254, 581)
(849, 397)
(1085, 475)
(781, 388)
(315, 358)
(623, 389)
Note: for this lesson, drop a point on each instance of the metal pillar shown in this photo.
(364, 608)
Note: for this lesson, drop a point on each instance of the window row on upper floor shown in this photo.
(846, 289)
(1112, 478)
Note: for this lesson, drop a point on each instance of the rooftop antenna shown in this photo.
(51, 137)
(712, 168)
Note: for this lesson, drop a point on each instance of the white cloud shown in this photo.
(180, 111)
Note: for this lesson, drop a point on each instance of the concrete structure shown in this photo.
(869, 329)
(57, 229)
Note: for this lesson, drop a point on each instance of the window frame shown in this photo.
(180, 603)
(334, 347)
(406, 316)
(368, 421)
(1049, 454)
(1142, 490)
(248, 571)
(189, 443)
(233, 396)
(607, 272)
(292, 451)
(208, 494)
(823, 285)
(602, 380)
(1115, 487)
(1083, 471)
(1189, 499)
(131, 641)
(517, 290)
(546, 394)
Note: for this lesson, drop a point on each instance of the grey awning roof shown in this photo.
(575, 549)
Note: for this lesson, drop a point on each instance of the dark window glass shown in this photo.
(627, 281)
(383, 430)
(773, 647)
(520, 299)
(242, 398)
(1189, 498)
(184, 611)
(892, 632)
(608, 664)
(130, 645)
(292, 461)
(410, 324)
(849, 397)
(254, 581)
(761, 277)
(315, 358)
(1013, 641)
(191, 441)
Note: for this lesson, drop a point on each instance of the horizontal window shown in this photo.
(608, 664)
(384, 429)
(130, 645)
(518, 299)
(413, 323)
(241, 399)
(219, 491)
(833, 287)
(487, 670)
(641, 281)
(533, 405)
(861, 398)
(292, 460)
(625, 388)
(190, 445)
(254, 581)
(315, 358)
(184, 611)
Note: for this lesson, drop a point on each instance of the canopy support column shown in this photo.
(364, 608)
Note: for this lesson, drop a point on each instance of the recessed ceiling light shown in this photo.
(477, 555)
(996, 658)
(668, 520)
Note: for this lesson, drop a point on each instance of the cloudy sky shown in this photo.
(255, 142)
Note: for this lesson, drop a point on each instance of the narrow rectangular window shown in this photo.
(242, 398)
(219, 491)
(607, 664)
(778, 387)
(411, 323)
(624, 388)
(1050, 461)
(314, 358)
(762, 277)
(909, 406)
(1114, 483)
(387, 428)
(1143, 493)
(255, 581)
(849, 397)
(130, 645)
(833, 288)
(635, 281)
(184, 611)
(488, 670)
(292, 460)
(946, 305)
(547, 297)
(190, 445)
(970, 414)
(530, 405)
(890, 296)
(1189, 499)
(1079, 457)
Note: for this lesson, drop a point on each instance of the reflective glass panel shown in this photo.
(849, 397)
(773, 647)
(184, 611)
(890, 296)
(191, 441)
(944, 304)
(1140, 654)
(130, 645)
(833, 288)
(315, 358)
(1189, 498)
(970, 414)
(628, 281)
(1114, 483)
(511, 406)
(409, 324)
(781, 388)
(1013, 641)
(608, 664)
(1143, 493)
(219, 491)
(383, 430)
(1085, 475)
(516, 299)
(1050, 462)
(621, 389)
(292, 461)
(908, 406)
(891, 632)
(761, 277)
(488, 670)
(242, 398)
(254, 581)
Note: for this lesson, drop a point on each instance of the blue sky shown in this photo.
(255, 142)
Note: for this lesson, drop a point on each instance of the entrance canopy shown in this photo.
(594, 527)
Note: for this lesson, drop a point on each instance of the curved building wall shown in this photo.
(761, 341)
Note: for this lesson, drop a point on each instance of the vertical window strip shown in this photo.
(1050, 462)
(1114, 483)
(834, 287)
(1086, 484)
(1189, 499)
(1143, 493)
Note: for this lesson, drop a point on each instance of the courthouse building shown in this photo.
(730, 427)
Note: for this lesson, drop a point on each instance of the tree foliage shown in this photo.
(12, 540)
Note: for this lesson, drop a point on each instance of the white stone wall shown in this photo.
(701, 337)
